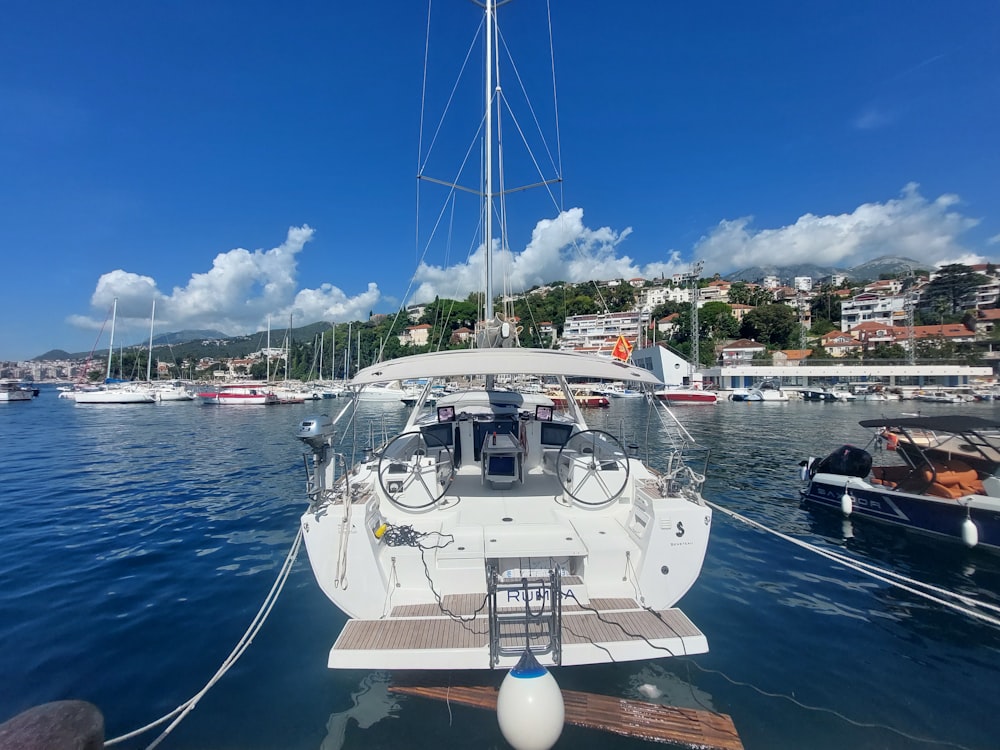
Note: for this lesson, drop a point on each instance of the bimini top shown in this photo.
(512, 361)
(945, 423)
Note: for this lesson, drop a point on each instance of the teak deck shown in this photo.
(698, 730)
(425, 626)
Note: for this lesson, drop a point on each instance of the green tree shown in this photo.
(887, 351)
(825, 306)
(821, 326)
(948, 290)
(716, 321)
(741, 293)
(775, 325)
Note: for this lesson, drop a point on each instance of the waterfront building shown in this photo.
(741, 350)
(871, 307)
(586, 332)
(840, 344)
(417, 335)
(909, 377)
(650, 297)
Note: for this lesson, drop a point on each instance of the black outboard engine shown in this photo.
(847, 461)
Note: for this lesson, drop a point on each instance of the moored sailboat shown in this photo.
(497, 524)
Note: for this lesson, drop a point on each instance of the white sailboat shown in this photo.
(496, 524)
(163, 390)
(112, 392)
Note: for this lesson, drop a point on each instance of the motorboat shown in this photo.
(241, 394)
(620, 390)
(499, 525)
(170, 390)
(767, 390)
(682, 395)
(939, 397)
(943, 479)
(13, 390)
(836, 393)
(588, 396)
(818, 394)
(393, 391)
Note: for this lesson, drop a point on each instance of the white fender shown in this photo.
(970, 532)
(530, 708)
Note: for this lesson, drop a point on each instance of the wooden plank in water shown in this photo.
(686, 727)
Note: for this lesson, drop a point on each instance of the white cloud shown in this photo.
(560, 249)
(909, 225)
(237, 295)
(994, 240)
(243, 288)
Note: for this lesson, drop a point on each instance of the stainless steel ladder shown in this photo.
(524, 613)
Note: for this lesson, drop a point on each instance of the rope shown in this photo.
(823, 709)
(244, 643)
(967, 605)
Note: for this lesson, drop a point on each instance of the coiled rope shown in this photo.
(244, 643)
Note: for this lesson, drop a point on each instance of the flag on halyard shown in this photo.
(622, 350)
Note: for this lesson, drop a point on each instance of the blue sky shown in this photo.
(239, 161)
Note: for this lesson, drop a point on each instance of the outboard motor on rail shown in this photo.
(846, 461)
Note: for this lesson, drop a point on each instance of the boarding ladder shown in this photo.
(525, 612)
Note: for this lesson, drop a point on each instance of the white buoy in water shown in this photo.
(970, 532)
(530, 707)
(846, 503)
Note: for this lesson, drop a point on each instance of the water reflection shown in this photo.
(371, 703)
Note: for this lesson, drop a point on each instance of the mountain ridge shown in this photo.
(871, 269)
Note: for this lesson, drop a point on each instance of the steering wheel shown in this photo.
(397, 475)
(599, 467)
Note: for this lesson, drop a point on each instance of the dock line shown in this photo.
(962, 604)
(256, 624)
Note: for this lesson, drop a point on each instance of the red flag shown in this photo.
(622, 350)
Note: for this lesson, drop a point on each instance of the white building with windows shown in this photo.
(648, 298)
(593, 332)
(871, 307)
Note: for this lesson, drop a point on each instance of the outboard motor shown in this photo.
(315, 431)
(805, 468)
(846, 461)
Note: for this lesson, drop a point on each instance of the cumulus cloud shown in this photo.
(243, 288)
(235, 296)
(909, 225)
(562, 248)
(565, 249)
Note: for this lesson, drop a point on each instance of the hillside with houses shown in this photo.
(910, 316)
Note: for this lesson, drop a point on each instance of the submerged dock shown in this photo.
(684, 727)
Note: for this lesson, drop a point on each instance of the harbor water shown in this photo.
(137, 543)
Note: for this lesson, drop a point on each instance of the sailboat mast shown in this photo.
(149, 357)
(111, 343)
(347, 355)
(488, 166)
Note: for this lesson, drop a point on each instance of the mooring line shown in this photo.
(892, 578)
(256, 624)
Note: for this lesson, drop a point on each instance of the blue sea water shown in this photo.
(137, 543)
